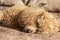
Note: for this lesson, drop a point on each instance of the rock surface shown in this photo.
(51, 5)
(12, 34)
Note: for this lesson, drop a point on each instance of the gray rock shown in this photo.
(52, 5)
(10, 2)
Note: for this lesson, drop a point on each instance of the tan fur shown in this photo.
(31, 19)
(38, 20)
(10, 15)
